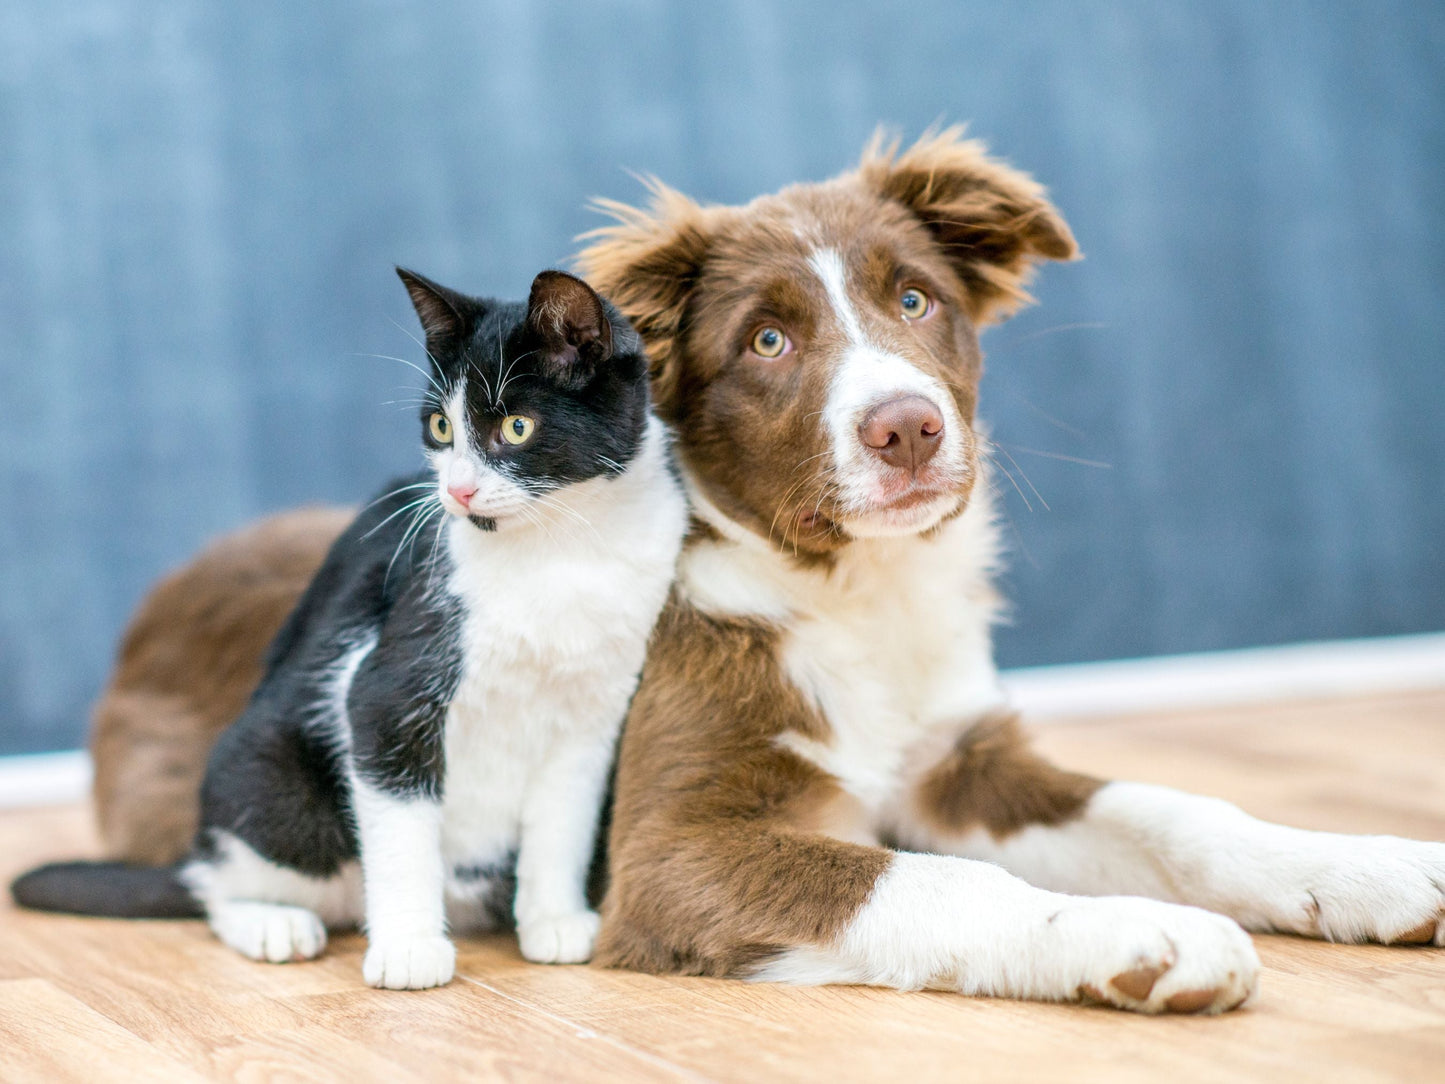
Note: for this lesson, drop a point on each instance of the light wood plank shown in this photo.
(146, 998)
(49, 1037)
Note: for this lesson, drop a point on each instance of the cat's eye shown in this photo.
(440, 428)
(769, 342)
(517, 428)
(913, 303)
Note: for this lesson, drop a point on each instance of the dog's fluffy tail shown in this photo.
(111, 889)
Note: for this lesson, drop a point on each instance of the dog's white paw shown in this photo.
(559, 939)
(1154, 957)
(269, 931)
(409, 963)
(1365, 888)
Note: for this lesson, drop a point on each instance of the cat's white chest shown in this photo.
(553, 638)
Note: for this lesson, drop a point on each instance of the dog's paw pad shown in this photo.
(1423, 934)
(1137, 982)
(1187, 1001)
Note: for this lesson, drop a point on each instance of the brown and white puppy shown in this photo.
(819, 754)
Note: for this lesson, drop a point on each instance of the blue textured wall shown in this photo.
(200, 205)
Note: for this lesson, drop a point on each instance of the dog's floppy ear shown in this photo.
(648, 265)
(993, 221)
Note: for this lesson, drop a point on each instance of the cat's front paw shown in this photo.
(559, 939)
(1369, 888)
(410, 963)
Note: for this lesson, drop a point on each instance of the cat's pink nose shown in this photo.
(462, 492)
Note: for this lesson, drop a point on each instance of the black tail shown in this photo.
(113, 889)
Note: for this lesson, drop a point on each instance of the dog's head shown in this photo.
(817, 350)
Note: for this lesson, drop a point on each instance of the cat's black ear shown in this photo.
(446, 316)
(571, 320)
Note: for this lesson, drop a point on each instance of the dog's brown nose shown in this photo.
(903, 432)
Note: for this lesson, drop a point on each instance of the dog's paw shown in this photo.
(1366, 888)
(559, 939)
(409, 963)
(1156, 957)
(269, 931)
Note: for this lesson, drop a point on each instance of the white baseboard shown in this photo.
(44, 778)
(1173, 682)
(1223, 678)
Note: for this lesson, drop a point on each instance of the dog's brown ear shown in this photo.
(648, 264)
(993, 221)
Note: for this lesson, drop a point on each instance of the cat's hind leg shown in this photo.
(268, 911)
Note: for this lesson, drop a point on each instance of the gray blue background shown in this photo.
(200, 205)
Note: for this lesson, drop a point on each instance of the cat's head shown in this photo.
(526, 399)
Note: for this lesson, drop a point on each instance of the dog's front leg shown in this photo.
(945, 923)
(992, 798)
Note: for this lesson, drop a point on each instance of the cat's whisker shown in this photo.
(404, 508)
(577, 517)
(508, 374)
(431, 379)
(432, 556)
(413, 529)
(397, 490)
(430, 356)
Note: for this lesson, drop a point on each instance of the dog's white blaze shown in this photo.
(827, 264)
(868, 374)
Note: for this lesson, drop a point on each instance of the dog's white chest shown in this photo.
(896, 657)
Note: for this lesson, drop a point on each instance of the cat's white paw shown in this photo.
(409, 963)
(559, 939)
(269, 931)
(1366, 888)
(1154, 957)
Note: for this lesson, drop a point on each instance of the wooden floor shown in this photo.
(91, 1000)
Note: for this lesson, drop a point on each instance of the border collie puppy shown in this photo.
(820, 780)
(434, 733)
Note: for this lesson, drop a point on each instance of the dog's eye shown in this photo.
(440, 428)
(769, 342)
(517, 428)
(913, 303)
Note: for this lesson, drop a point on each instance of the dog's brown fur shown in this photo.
(993, 779)
(717, 860)
(190, 659)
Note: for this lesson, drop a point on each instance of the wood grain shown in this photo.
(90, 999)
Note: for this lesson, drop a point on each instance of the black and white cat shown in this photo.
(440, 712)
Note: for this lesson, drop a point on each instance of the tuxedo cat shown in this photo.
(439, 714)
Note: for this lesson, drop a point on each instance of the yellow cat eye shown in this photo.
(517, 428)
(769, 342)
(913, 303)
(440, 428)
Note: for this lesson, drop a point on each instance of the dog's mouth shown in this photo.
(912, 511)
